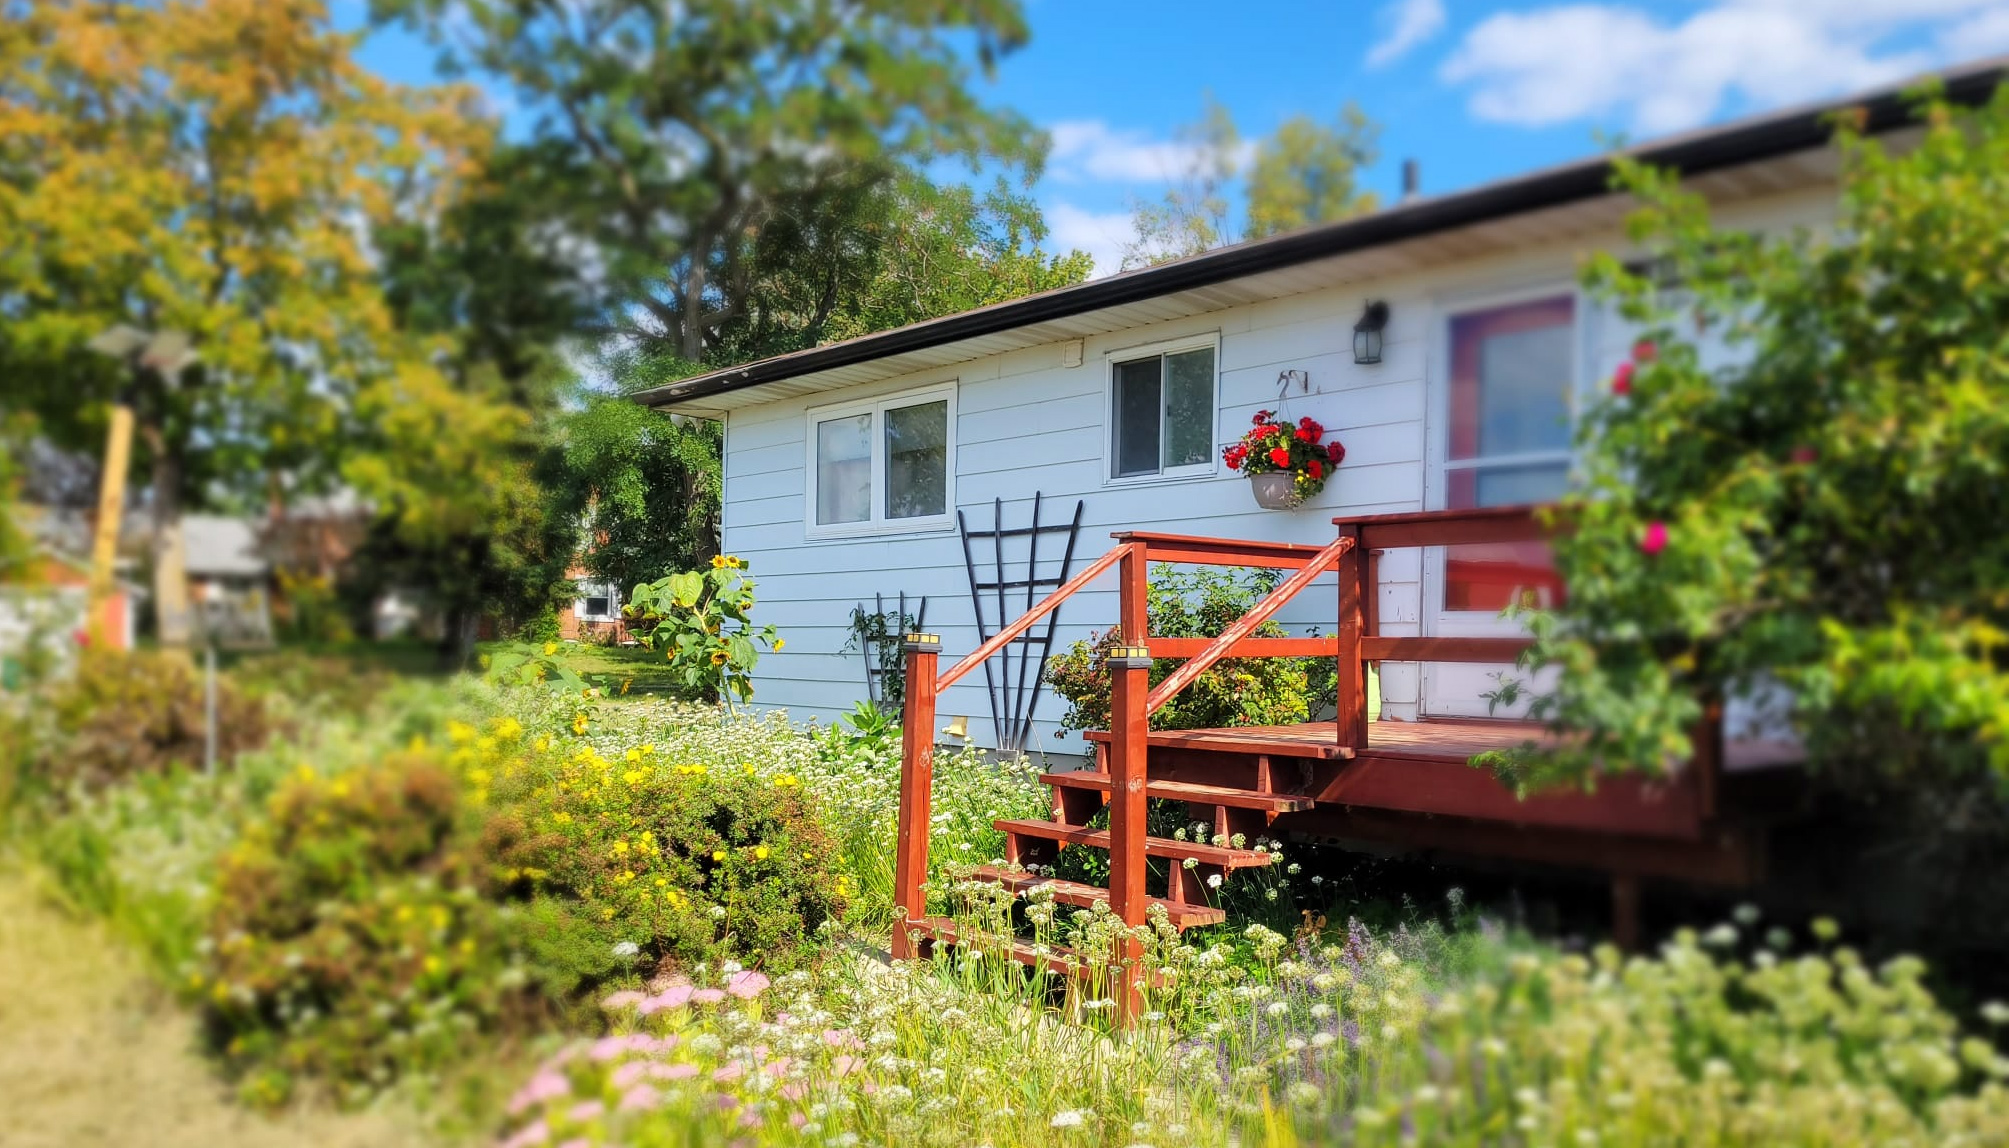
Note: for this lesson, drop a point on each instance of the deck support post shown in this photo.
(1354, 590)
(917, 780)
(1625, 924)
(1130, 674)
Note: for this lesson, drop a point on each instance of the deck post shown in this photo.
(1132, 608)
(1351, 718)
(917, 780)
(1130, 674)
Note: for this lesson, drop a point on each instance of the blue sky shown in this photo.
(1471, 89)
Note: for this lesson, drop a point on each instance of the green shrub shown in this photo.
(123, 714)
(1232, 692)
(665, 859)
(351, 940)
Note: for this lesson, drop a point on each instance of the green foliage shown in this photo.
(702, 621)
(718, 158)
(123, 714)
(1198, 603)
(644, 486)
(1309, 172)
(351, 941)
(654, 858)
(1810, 515)
(877, 637)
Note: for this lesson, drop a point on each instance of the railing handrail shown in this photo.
(1519, 523)
(1046, 605)
(1182, 677)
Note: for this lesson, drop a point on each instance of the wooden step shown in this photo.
(1166, 847)
(1186, 791)
(1319, 742)
(1183, 916)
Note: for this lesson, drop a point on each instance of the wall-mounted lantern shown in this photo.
(1367, 333)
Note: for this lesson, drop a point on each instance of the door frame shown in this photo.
(1434, 621)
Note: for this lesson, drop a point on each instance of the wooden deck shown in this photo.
(1435, 739)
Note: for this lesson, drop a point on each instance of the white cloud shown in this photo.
(1091, 149)
(1580, 61)
(1101, 234)
(1981, 34)
(1405, 24)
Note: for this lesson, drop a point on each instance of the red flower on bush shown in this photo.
(1621, 380)
(1644, 351)
(1655, 538)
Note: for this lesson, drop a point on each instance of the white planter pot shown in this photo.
(1275, 491)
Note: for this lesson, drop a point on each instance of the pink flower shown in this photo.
(673, 1071)
(1655, 539)
(729, 1073)
(535, 1132)
(640, 1098)
(1805, 454)
(747, 985)
(627, 998)
(629, 1073)
(1621, 380)
(1644, 351)
(541, 1087)
(608, 1047)
(676, 996)
(845, 1065)
(841, 1038)
(708, 996)
(586, 1110)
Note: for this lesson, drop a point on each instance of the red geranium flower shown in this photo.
(1303, 435)
(1335, 452)
(1261, 417)
(1315, 469)
(1281, 456)
(1621, 380)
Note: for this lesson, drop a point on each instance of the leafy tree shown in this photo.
(1821, 514)
(1308, 173)
(689, 133)
(1193, 215)
(643, 485)
(1304, 174)
(210, 167)
(943, 249)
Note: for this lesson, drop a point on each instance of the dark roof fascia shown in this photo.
(1693, 154)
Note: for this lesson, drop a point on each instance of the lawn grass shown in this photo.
(645, 672)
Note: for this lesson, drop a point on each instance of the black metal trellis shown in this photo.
(1013, 698)
(879, 642)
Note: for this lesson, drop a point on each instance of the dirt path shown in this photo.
(92, 1053)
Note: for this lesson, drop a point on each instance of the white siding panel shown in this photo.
(1026, 423)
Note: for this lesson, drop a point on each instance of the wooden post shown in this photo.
(1352, 700)
(111, 512)
(1133, 616)
(1625, 924)
(917, 779)
(1130, 683)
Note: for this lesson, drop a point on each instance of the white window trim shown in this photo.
(878, 524)
(587, 589)
(1209, 469)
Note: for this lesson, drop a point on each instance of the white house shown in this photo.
(845, 464)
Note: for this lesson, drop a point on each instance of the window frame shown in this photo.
(878, 524)
(588, 589)
(1210, 341)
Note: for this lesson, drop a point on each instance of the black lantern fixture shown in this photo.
(1367, 333)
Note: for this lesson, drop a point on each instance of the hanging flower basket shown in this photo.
(1286, 463)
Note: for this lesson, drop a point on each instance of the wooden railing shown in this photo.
(1353, 555)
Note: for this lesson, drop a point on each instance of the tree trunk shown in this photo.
(694, 306)
(174, 625)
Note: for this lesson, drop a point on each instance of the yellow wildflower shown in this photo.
(733, 561)
(432, 964)
(459, 732)
(760, 853)
(634, 755)
(718, 854)
(550, 648)
(779, 643)
(634, 776)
